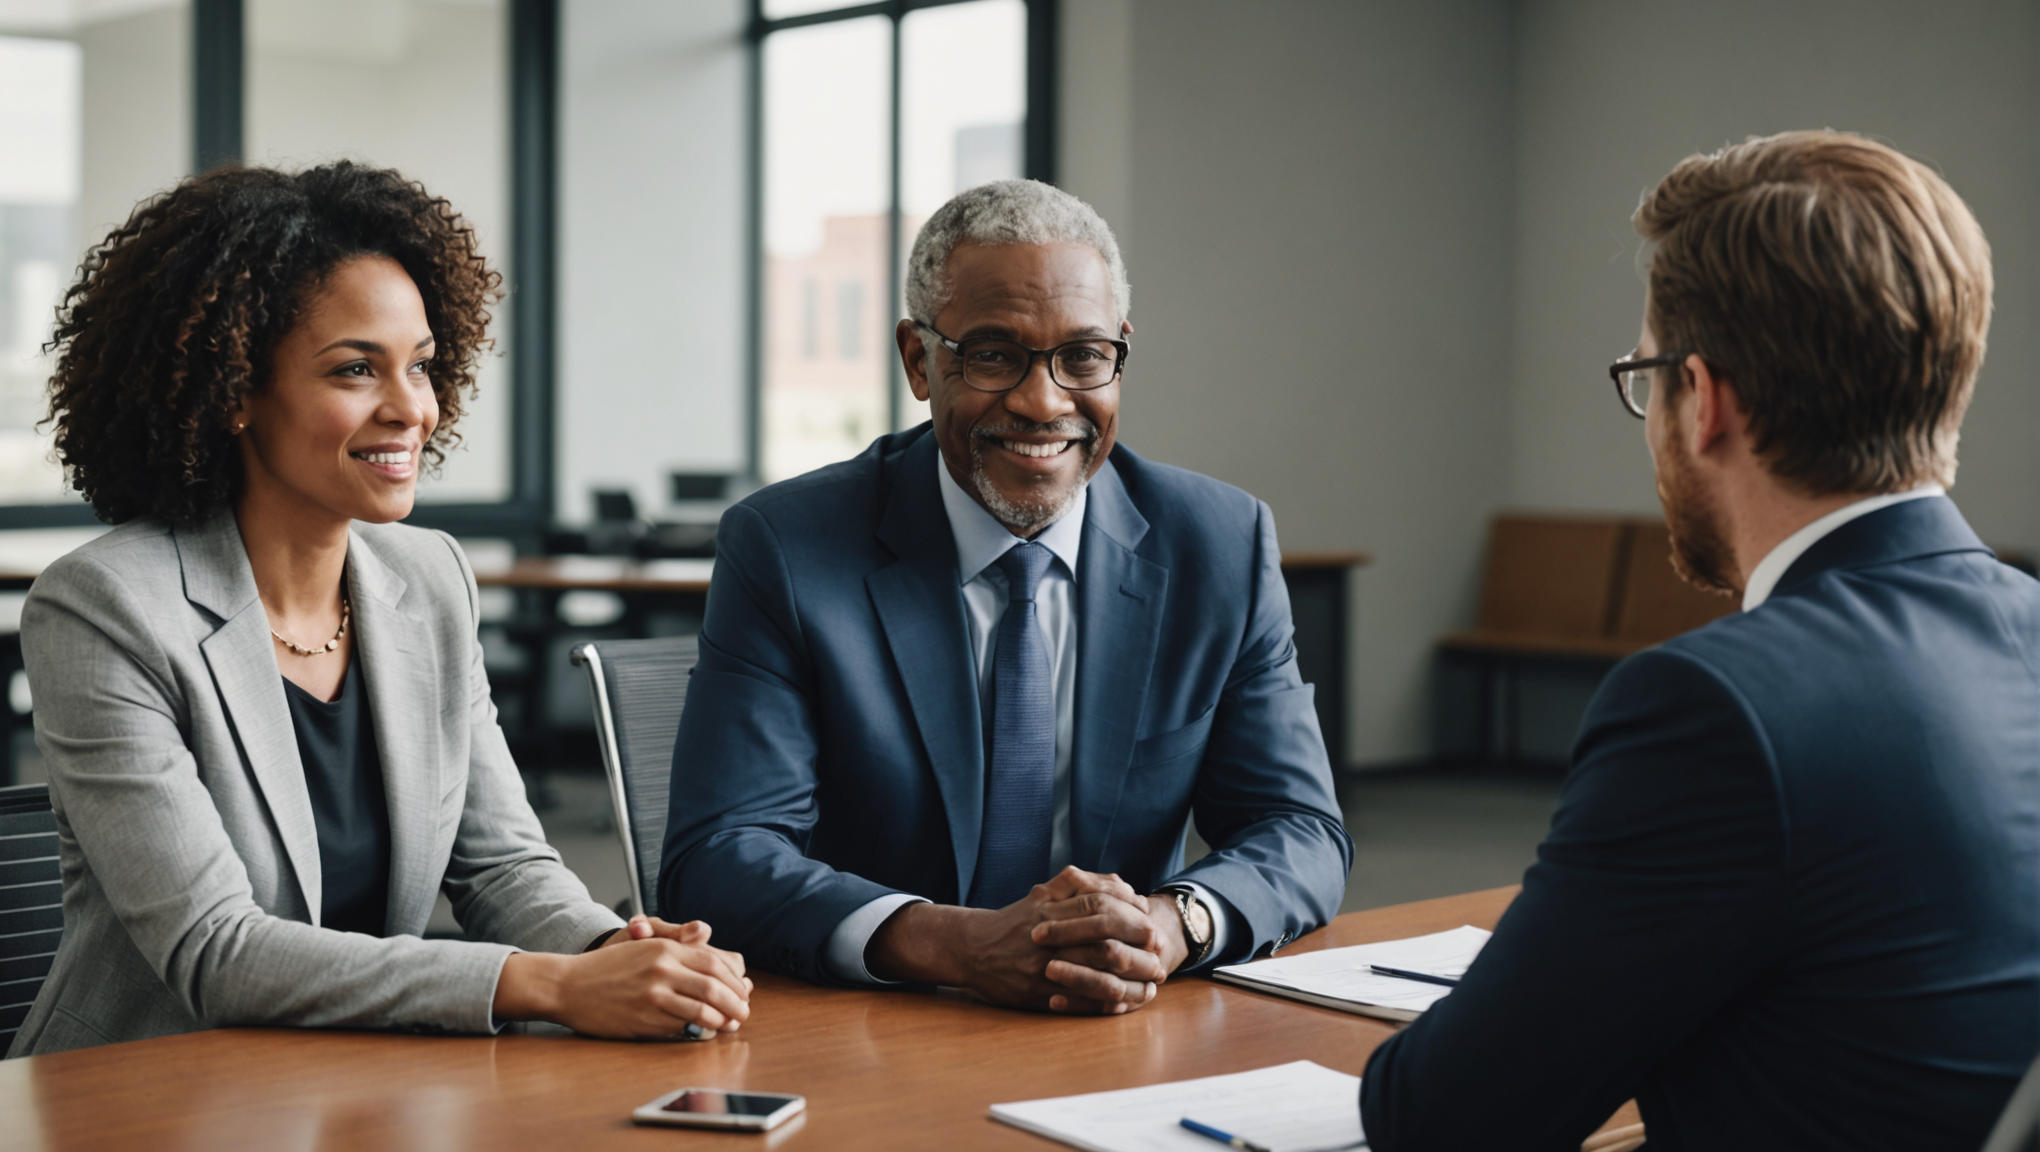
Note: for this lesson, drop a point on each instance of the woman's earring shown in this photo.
(237, 427)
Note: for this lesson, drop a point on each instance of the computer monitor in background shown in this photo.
(689, 486)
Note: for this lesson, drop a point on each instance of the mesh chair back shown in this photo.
(31, 901)
(640, 687)
(2018, 1127)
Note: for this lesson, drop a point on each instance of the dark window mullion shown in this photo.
(1038, 133)
(767, 27)
(218, 85)
(762, 27)
(895, 377)
(754, 230)
(534, 231)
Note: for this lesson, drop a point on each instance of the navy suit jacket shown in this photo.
(1791, 895)
(831, 750)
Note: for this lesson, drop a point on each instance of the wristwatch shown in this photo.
(1197, 927)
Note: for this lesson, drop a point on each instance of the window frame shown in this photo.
(1038, 139)
(218, 112)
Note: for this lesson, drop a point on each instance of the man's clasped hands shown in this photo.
(1083, 943)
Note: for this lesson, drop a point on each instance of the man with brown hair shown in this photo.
(1791, 895)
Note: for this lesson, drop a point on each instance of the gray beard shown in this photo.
(1030, 518)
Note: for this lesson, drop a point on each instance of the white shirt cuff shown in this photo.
(1221, 915)
(845, 953)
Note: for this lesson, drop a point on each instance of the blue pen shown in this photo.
(1423, 977)
(1222, 1137)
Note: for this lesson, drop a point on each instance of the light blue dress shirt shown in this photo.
(980, 541)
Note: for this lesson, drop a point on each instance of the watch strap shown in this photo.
(1199, 949)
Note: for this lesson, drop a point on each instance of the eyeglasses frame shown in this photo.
(1630, 364)
(955, 348)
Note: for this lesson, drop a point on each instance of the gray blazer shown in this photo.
(190, 860)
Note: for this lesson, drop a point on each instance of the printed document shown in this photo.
(1339, 977)
(1299, 1107)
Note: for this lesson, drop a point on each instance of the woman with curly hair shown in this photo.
(260, 699)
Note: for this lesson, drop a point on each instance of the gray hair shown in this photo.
(1005, 212)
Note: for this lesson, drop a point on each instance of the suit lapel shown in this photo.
(920, 607)
(402, 677)
(218, 579)
(1119, 624)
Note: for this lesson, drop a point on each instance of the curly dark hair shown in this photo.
(176, 316)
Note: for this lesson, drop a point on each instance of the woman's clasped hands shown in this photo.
(648, 980)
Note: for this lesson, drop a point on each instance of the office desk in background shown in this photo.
(601, 574)
(1318, 584)
(1318, 595)
(657, 593)
(881, 1070)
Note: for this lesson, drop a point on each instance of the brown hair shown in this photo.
(177, 313)
(1841, 288)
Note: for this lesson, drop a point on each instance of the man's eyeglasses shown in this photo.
(1633, 379)
(991, 364)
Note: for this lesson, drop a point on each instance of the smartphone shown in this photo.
(721, 1108)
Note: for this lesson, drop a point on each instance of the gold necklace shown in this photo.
(330, 644)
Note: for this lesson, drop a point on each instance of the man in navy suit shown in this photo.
(1791, 895)
(958, 696)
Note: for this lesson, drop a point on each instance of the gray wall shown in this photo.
(1599, 119)
(1381, 254)
(137, 135)
(1320, 204)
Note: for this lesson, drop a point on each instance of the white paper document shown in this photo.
(1339, 977)
(1295, 1107)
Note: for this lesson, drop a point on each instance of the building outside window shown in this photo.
(840, 206)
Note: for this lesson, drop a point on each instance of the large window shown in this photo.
(93, 117)
(103, 104)
(869, 117)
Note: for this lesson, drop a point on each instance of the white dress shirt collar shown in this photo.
(981, 539)
(1772, 568)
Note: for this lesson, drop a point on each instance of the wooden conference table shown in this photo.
(881, 1070)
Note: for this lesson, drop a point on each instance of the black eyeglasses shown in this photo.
(1633, 379)
(991, 364)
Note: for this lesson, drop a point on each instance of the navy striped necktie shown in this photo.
(1020, 795)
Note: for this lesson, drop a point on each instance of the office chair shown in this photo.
(31, 901)
(2018, 1126)
(639, 688)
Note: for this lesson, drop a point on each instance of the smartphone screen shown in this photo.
(715, 1101)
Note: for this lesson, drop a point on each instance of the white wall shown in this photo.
(137, 112)
(652, 211)
(1614, 92)
(1320, 195)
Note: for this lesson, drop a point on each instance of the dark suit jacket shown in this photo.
(1791, 896)
(831, 750)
